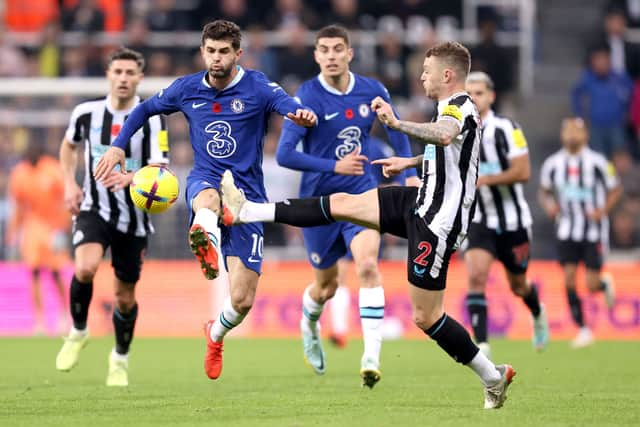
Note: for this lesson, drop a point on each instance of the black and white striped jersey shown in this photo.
(449, 174)
(501, 207)
(580, 183)
(96, 124)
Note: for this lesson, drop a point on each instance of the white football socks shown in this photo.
(228, 319)
(371, 302)
(339, 311)
(311, 312)
(209, 221)
(485, 369)
(257, 212)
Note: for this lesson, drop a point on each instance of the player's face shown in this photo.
(333, 56)
(573, 134)
(220, 57)
(124, 76)
(431, 77)
(482, 96)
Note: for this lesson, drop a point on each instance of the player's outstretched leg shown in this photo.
(314, 355)
(237, 209)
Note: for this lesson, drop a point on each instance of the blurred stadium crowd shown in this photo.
(72, 38)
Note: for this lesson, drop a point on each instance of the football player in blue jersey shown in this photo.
(334, 159)
(227, 108)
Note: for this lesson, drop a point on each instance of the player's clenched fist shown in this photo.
(114, 156)
(385, 112)
(303, 117)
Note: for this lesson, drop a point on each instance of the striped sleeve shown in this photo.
(516, 140)
(456, 110)
(74, 130)
(545, 174)
(158, 141)
(608, 171)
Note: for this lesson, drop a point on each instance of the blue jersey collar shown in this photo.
(331, 89)
(234, 82)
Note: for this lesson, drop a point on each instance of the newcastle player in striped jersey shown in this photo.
(578, 189)
(105, 215)
(433, 218)
(501, 226)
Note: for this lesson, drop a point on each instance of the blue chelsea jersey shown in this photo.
(344, 124)
(227, 126)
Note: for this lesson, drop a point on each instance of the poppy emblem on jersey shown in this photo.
(363, 109)
(216, 108)
(348, 113)
(237, 106)
(115, 129)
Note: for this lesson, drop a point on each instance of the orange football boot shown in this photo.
(213, 355)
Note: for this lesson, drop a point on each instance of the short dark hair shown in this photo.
(222, 30)
(453, 54)
(333, 31)
(129, 54)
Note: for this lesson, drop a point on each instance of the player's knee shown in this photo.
(519, 287)
(328, 289)
(125, 299)
(477, 281)
(424, 319)
(207, 199)
(570, 279)
(242, 301)
(85, 271)
(367, 271)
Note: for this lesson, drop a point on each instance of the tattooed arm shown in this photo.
(440, 133)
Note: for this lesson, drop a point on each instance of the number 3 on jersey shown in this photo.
(350, 137)
(221, 144)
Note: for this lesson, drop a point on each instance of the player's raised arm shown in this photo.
(399, 141)
(164, 102)
(278, 100)
(441, 133)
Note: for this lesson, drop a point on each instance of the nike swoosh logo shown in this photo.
(194, 105)
(330, 116)
(251, 259)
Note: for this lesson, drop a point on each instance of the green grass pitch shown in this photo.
(265, 382)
